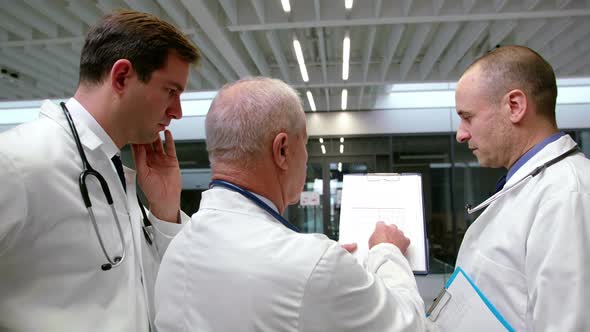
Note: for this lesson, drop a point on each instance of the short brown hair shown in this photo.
(143, 39)
(518, 67)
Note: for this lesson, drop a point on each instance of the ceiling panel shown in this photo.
(391, 41)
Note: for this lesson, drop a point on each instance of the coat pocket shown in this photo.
(504, 287)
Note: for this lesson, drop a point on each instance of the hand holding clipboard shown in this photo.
(392, 198)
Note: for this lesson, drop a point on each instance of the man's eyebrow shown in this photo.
(176, 85)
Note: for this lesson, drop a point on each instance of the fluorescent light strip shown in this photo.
(344, 99)
(286, 6)
(340, 167)
(345, 55)
(341, 139)
(310, 100)
(300, 60)
(323, 149)
(341, 148)
(348, 4)
(321, 140)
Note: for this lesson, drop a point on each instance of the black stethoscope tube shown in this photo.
(88, 171)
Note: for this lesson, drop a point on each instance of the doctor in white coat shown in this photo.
(240, 266)
(529, 249)
(54, 273)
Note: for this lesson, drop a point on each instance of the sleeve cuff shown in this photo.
(380, 250)
(387, 261)
(168, 229)
(385, 247)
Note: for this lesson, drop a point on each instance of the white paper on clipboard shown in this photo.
(462, 306)
(391, 198)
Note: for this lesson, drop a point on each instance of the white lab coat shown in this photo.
(50, 257)
(529, 252)
(235, 268)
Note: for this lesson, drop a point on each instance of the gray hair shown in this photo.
(247, 114)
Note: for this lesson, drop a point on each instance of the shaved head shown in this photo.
(517, 67)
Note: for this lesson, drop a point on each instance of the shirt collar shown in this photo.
(530, 153)
(82, 115)
(267, 202)
(262, 198)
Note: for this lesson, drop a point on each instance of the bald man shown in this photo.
(239, 266)
(528, 250)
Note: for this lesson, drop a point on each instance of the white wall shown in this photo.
(410, 108)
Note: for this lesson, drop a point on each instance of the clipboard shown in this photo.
(395, 198)
(462, 306)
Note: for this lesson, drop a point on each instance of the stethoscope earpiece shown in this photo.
(108, 266)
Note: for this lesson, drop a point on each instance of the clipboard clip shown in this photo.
(440, 302)
(383, 177)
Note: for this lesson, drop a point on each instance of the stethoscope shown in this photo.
(522, 181)
(88, 171)
(256, 201)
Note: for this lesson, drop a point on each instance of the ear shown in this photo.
(517, 102)
(279, 150)
(120, 74)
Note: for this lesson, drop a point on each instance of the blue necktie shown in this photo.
(500, 184)
(119, 167)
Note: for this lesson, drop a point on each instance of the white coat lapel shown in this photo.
(96, 157)
(549, 152)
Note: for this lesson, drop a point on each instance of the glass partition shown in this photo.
(451, 177)
(309, 216)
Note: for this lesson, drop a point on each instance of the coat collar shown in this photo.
(92, 135)
(218, 198)
(549, 152)
(93, 140)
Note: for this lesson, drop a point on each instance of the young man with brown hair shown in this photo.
(68, 266)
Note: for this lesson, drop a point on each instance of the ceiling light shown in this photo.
(340, 167)
(323, 149)
(348, 4)
(344, 99)
(341, 148)
(341, 139)
(300, 60)
(310, 100)
(286, 6)
(345, 55)
(321, 140)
